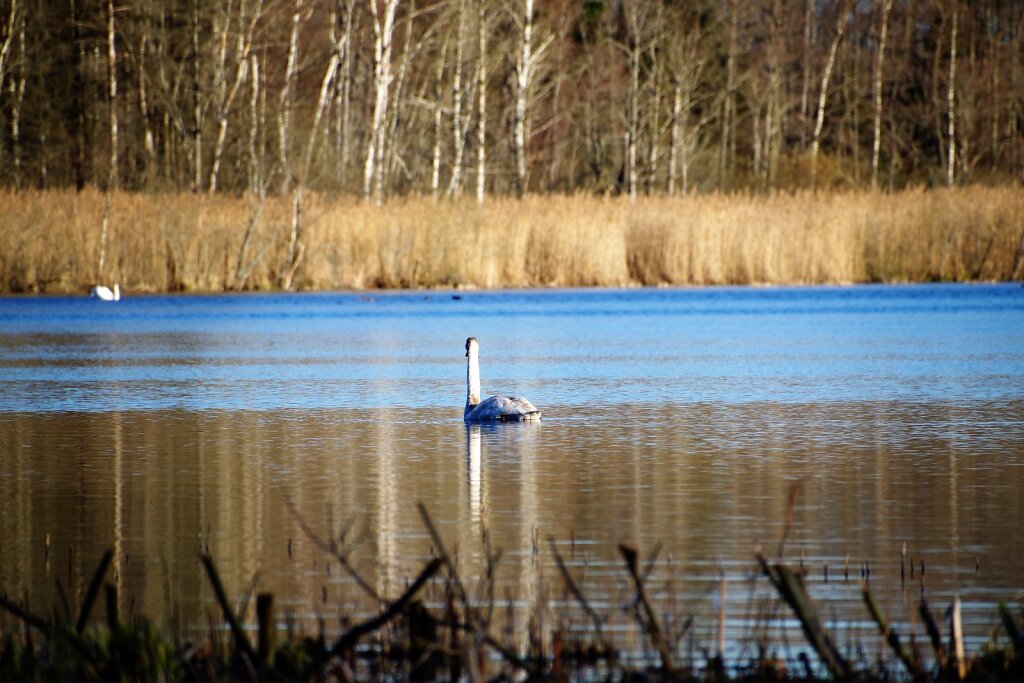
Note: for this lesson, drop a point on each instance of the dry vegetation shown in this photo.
(49, 240)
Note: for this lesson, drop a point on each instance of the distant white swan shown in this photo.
(104, 293)
(496, 408)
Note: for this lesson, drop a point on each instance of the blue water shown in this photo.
(561, 348)
(673, 418)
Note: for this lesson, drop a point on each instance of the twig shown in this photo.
(577, 593)
(337, 553)
(791, 588)
(348, 639)
(241, 639)
(94, 590)
(891, 637)
(650, 624)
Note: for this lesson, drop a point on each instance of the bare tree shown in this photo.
(112, 121)
(526, 68)
(17, 89)
(284, 98)
(383, 27)
(459, 122)
(951, 103)
(481, 111)
(257, 192)
(296, 247)
(14, 12)
(248, 15)
(726, 152)
(876, 143)
(342, 41)
(842, 20)
(435, 164)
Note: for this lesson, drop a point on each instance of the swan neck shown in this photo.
(472, 376)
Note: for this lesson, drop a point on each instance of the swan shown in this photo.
(104, 293)
(496, 408)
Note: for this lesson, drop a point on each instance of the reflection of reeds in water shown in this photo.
(48, 240)
(438, 627)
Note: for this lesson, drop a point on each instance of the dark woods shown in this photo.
(378, 98)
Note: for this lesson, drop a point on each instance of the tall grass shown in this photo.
(160, 242)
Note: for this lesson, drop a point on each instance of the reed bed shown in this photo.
(50, 240)
(444, 626)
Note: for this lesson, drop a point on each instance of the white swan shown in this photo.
(496, 408)
(104, 293)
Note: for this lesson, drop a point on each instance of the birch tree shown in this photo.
(842, 20)
(13, 19)
(460, 123)
(481, 112)
(435, 162)
(284, 98)
(17, 90)
(526, 67)
(383, 27)
(685, 68)
(247, 17)
(296, 247)
(633, 50)
(876, 141)
(341, 38)
(256, 195)
(148, 143)
(951, 104)
(112, 123)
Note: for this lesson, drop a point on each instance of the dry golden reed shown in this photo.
(49, 240)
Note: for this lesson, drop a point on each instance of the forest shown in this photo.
(247, 136)
(378, 98)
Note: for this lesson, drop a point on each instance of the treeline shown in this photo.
(382, 98)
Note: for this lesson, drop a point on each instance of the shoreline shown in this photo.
(51, 241)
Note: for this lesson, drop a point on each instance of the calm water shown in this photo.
(672, 418)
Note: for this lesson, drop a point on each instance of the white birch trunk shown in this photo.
(243, 45)
(112, 122)
(481, 85)
(876, 143)
(951, 106)
(257, 188)
(197, 106)
(296, 247)
(524, 67)
(18, 89)
(435, 164)
(383, 26)
(343, 87)
(826, 76)
(654, 148)
(284, 100)
(673, 153)
(633, 103)
(13, 14)
(112, 96)
(458, 126)
(805, 86)
(148, 144)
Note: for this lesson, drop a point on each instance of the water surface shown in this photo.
(673, 419)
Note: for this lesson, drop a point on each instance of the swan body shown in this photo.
(495, 408)
(104, 293)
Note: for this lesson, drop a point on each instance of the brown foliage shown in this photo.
(165, 242)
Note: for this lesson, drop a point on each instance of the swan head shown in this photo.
(472, 346)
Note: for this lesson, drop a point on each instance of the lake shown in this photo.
(675, 420)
